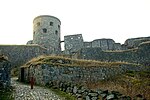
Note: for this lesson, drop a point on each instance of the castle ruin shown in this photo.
(47, 41)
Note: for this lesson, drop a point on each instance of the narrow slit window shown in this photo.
(59, 27)
(51, 23)
(56, 32)
(44, 30)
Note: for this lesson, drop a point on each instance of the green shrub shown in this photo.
(6, 94)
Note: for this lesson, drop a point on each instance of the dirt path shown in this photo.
(23, 92)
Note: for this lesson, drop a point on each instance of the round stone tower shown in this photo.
(46, 32)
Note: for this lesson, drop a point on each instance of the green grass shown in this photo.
(6, 94)
(63, 94)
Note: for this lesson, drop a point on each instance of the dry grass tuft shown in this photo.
(65, 61)
(3, 58)
(147, 42)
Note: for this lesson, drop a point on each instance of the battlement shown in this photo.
(46, 16)
(76, 42)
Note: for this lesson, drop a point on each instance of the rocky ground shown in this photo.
(23, 92)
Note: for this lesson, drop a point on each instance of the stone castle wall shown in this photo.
(5, 68)
(20, 54)
(104, 44)
(73, 43)
(44, 73)
(140, 55)
(134, 42)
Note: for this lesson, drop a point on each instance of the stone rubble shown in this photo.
(23, 92)
(82, 93)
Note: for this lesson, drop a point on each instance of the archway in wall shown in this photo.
(22, 74)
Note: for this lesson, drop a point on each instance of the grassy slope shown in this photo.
(58, 60)
(131, 83)
(63, 94)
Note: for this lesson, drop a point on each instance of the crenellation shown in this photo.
(87, 44)
(117, 46)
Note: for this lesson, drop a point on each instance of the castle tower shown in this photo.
(46, 32)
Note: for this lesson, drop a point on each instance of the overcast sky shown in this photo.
(94, 19)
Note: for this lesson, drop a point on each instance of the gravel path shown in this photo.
(23, 92)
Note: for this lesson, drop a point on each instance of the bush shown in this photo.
(6, 94)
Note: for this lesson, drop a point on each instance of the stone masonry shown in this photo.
(134, 42)
(104, 44)
(141, 55)
(44, 73)
(73, 43)
(46, 33)
(20, 54)
(5, 68)
(70, 78)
